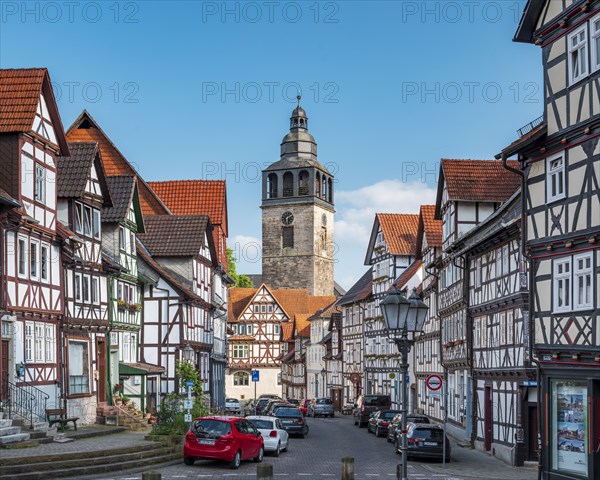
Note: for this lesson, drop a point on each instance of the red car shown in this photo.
(231, 439)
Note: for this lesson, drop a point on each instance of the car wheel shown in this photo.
(237, 460)
(305, 430)
(277, 450)
(287, 446)
(259, 457)
(189, 460)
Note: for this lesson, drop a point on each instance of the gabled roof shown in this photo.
(195, 197)
(122, 191)
(74, 171)
(476, 181)
(86, 129)
(529, 20)
(429, 228)
(302, 325)
(363, 284)
(409, 273)
(287, 331)
(292, 301)
(6, 199)
(20, 90)
(325, 312)
(176, 235)
(535, 134)
(399, 232)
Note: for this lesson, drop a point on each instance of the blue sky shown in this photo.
(205, 90)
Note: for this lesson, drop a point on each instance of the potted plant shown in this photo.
(122, 304)
(125, 399)
(132, 307)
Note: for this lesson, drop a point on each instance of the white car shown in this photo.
(276, 438)
(233, 405)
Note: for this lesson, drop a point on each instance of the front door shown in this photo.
(487, 418)
(4, 369)
(337, 400)
(532, 438)
(101, 365)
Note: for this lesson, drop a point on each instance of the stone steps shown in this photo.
(88, 463)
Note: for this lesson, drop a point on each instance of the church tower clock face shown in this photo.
(287, 218)
(298, 215)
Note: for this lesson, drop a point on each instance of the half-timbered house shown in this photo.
(390, 251)
(334, 365)
(356, 306)
(256, 316)
(427, 345)
(559, 157)
(207, 197)
(82, 194)
(468, 192)
(315, 351)
(120, 225)
(31, 294)
(183, 247)
(505, 401)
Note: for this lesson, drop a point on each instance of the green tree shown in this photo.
(240, 280)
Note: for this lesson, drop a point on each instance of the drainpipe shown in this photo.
(530, 299)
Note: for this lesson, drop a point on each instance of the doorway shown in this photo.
(4, 346)
(101, 365)
(487, 418)
(532, 437)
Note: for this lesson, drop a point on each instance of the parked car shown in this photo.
(380, 421)
(424, 440)
(249, 407)
(321, 407)
(304, 406)
(232, 405)
(273, 405)
(396, 423)
(275, 436)
(270, 396)
(261, 403)
(292, 420)
(231, 439)
(367, 404)
(293, 401)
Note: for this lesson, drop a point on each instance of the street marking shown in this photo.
(305, 474)
(371, 474)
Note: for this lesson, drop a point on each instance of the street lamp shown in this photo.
(323, 374)
(403, 317)
(187, 354)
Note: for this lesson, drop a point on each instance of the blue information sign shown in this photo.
(190, 383)
(255, 375)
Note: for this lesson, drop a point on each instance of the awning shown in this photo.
(139, 369)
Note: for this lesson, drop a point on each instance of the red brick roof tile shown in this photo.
(20, 91)
(412, 269)
(432, 229)
(478, 180)
(399, 231)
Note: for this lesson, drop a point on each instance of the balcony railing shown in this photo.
(26, 401)
(530, 126)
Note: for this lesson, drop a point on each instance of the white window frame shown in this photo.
(578, 274)
(582, 53)
(77, 287)
(40, 183)
(96, 224)
(559, 173)
(29, 341)
(478, 268)
(78, 220)
(95, 290)
(39, 343)
(510, 327)
(87, 221)
(85, 288)
(22, 257)
(558, 280)
(122, 239)
(594, 40)
(44, 261)
(34, 259)
(85, 368)
(50, 342)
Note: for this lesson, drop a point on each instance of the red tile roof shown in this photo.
(85, 129)
(20, 91)
(478, 180)
(432, 229)
(399, 231)
(302, 324)
(195, 197)
(287, 331)
(410, 272)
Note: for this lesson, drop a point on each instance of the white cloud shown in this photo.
(355, 213)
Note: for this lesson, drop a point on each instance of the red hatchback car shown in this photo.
(231, 439)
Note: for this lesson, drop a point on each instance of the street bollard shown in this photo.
(151, 475)
(348, 468)
(264, 471)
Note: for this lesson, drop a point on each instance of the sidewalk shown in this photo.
(467, 462)
(82, 444)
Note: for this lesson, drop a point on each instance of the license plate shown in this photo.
(206, 442)
(288, 422)
(430, 444)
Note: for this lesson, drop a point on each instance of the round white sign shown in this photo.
(434, 382)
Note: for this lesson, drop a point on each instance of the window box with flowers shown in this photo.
(381, 279)
(135, 307)
(122, 304)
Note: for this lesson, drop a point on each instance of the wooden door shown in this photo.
(337, 400)
(487, 418)
(4, 369)
(101, 365)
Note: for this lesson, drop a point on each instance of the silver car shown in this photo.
(321, 407)
(233, 405)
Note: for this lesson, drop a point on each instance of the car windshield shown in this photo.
(376, 401)
(417, 420)
(288, 412)
(428, 433)
(293, 401)
(264, 424)
(231, 400)
(262, 401)
(211, 428)
(388, 415)
(323, 401)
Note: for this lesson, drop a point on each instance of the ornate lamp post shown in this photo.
(403, 319)
(187, 354)
(324, 374)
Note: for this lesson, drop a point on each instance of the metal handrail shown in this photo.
(530, 126)
(27, 401)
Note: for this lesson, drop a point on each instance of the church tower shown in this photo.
(297, 215)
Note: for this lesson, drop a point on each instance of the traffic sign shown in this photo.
(434, 382)
(190, 383)
(187, 404)
(255, 375)
(187, 417)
